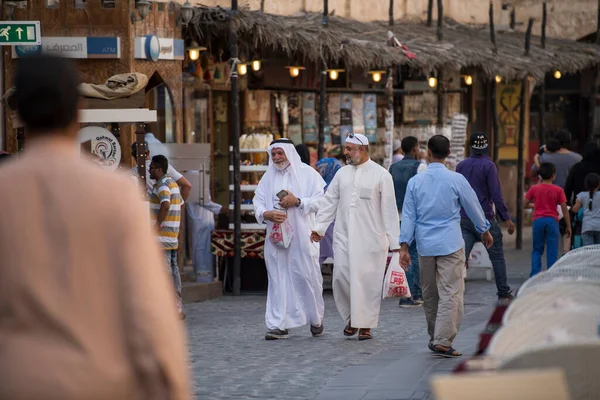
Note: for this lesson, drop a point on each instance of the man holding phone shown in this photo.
(283, 196)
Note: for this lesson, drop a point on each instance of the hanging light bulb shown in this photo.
(432, 82)
(498, 79)
(256, 65)
(333, 75)
(194, 55)
(557, 74)
(294, 70)
(194, 50)
(242, 69)
(376, 75)
(468, 80)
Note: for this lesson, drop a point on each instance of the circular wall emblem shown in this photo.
(25, 50)
(152, 47)
(101, 143)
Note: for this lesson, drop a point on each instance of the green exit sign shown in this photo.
(14, 33)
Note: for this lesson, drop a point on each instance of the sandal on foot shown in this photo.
(450, 353)
(350, 331)
(316, 330)
(364, 334)
(431, 347)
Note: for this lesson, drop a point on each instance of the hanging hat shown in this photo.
(479, 143)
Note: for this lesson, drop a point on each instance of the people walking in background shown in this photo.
(285, 193)
(482, 174)
(327, 167)
(87, 310)
(304, 153)
(546, 198)
(589, 164)
(165, 203)
(431, 216)
(563, 159)
(402, 172)
(589, 201)
(361, 199)
(185, 186)
(398, 152)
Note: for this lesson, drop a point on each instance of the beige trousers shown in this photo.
(443, 289)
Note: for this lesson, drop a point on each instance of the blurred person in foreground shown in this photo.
(328, 167)
(87, 310)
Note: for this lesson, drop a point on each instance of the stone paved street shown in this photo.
(231, 360)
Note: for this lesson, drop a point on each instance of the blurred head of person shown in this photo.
(304, 153)
(397, 147)
(591, 150)
(438, 148)
(564, 138)
(158, 167)
(46, 96)
(547, 171)
(410, 146)
(134, 150)
(553, 145)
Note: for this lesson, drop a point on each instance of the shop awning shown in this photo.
(364, 44)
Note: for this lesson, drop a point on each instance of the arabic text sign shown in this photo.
(20, 32)
(74, 47)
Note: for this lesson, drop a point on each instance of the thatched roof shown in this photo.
(363, 44)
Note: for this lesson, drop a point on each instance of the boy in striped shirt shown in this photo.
(165, 203)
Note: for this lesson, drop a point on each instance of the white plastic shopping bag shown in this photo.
(395, 283)
(281, 235)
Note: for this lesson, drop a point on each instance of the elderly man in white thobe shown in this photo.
(361, 199)
(285, 193)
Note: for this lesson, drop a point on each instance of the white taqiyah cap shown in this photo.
(357, 138)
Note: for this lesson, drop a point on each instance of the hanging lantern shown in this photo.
(256, 65)
(242, 69)
(334, 74)
(376, 75)
(295, 70)
(557, 74)
(194, 50)
(498, 79)
(432, 82)
(468, 80)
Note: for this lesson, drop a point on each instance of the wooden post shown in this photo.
(495, 124)
(594, 92)
(440, 22)
(430, 13)
(389, 86)
(323, 91)
(492, 29)
(521, 145)
(235, 134)
(542, 108)
(513, 19)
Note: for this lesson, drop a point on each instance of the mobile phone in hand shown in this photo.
(282, 194)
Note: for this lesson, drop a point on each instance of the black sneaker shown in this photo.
(276, 334)
(408, 303)
(418, 299)
(506, 296)
(316, 330)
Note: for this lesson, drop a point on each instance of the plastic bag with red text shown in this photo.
(395, 283)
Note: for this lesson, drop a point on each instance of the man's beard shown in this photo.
(282, 165)
(352, 161)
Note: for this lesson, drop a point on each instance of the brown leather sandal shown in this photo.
(349, 330)
(365, 334)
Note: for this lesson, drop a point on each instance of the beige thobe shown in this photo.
(86, 308)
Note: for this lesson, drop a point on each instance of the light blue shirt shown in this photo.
(431, 211)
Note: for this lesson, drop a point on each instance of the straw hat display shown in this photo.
(544, 330)
(571, 296)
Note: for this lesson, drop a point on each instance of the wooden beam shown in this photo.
(492, 29)
(322, 93)
(440, 22)
(520, 164)
(528, 36)
(430, 13)
(494, 112)
(542, 100)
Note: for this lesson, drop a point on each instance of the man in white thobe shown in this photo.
(361, 199)
(285, 193)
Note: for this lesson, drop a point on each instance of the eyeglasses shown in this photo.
(353, 136)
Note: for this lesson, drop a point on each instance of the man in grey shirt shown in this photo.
(563, 158)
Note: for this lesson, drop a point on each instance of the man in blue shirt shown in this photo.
(401, 172)
(482, 174)
(431, 216)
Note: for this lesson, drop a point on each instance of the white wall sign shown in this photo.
(103, 144)
(69, 47)
(170, 49)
